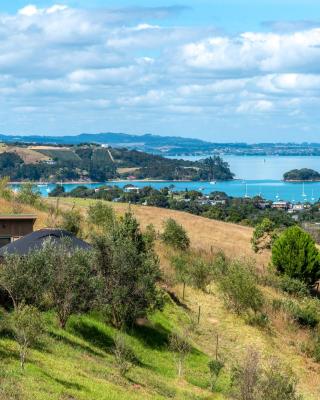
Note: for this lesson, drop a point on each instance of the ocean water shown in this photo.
(255, 175)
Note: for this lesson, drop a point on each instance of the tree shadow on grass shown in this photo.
(64, 383)
(92, 334)
(74, 344)
(154, 337)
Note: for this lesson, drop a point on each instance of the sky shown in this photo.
(219, 70)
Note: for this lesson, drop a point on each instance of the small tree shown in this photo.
(74, 284)
(246, 377)
(180, 346)
(71, 221)
(201, 274)
(295, 254)
(26, 279)
(239, 286)
(180, 264)
(123, 354)
(215, 368)
(175, 235)
(263, 235)
(27, 326)
(5, 191)
(29, 194)
(102, 215)
(129, 269)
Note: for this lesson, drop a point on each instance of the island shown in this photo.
(86, 163)
(302, 175)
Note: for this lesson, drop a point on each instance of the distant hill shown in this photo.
(170, 145)
(302, 175)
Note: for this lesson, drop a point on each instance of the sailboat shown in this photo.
(304, 193)
(246, 195)
(312, 198)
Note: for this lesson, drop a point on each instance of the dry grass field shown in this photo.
(28, 155)
(205, 234)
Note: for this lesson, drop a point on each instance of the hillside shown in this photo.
(78, 363)
(95, 163)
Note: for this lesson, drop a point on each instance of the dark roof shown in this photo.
(35, 240)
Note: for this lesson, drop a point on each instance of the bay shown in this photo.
(256, 175)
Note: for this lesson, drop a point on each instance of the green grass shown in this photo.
(78, 363)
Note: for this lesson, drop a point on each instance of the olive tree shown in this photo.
(129, 269)
(26, 324)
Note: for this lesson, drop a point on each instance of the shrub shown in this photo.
(29, 194)
(294, 253)
(293, 286)
(215, 368)
(71, 221)
(102, 215)
(240, 289)
(263, 235)
(278, 383)
(175, 235)
(123, 354)
(200, 274)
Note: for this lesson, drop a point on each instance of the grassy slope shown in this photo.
(77, 364)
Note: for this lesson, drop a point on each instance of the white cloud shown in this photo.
(86, 61)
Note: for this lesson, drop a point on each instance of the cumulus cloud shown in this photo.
(59, 59)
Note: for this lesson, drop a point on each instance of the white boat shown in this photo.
(246, 195)
(213, 182)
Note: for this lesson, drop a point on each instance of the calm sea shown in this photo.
(255, 175)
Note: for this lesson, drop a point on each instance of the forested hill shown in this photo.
(302, 175)
(96, 163)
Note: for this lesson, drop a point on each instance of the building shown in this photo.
(281, 205)
(35, 240)
(13, 227)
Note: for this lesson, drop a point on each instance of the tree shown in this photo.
(215, 368)
(74, 283)
(129, 270)
(180, 346)
(295, 254)
(175, 235)
(26, 279)
(27, 326)
(59, 190)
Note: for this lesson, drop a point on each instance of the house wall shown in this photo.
(11, 230)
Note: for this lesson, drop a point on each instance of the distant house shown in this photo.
(281, 205)
(35, 240)
(131, 189)
(15, 226)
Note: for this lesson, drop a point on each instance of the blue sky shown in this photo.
(231, 70)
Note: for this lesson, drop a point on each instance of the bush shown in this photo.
(200, 274)
(175, 235)
(29, 194)
(240, 289)
(102, 215)
(293, 286)
(71, 222)
(305, 313)
(295, 254)
(123, 354)
(215, 368)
